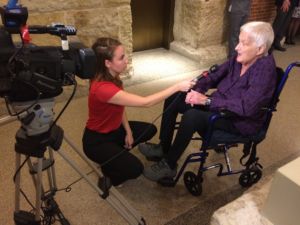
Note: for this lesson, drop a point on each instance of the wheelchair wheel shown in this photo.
(250, 177)
(256, 174)
(193, 183)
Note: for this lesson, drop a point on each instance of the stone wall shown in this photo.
(200, 29)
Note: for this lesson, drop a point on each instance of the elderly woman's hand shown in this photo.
(195, 98)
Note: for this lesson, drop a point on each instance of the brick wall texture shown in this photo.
(263, 10)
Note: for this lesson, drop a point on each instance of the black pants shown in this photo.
(236, 20)
(194, 119)
(281, 23)
(107, 150)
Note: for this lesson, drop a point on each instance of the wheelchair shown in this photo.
(222, 141)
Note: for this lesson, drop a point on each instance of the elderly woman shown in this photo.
(244, 84)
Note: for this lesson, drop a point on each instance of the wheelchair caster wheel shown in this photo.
(193, 183)
(250, 177)
(256, 174)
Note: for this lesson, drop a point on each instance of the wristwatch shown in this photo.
(207, 101)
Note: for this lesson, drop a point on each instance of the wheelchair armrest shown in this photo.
(222, 113)
(225, 113)
(267, 109)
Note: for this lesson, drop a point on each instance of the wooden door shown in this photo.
(152, 22)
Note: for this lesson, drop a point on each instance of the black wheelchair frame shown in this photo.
(222, 141)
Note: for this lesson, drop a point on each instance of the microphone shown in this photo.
(55, 29)
(202, 75)
(205, 73)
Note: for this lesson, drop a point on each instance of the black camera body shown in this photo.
(26, 69)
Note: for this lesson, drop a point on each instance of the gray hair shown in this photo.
(261, 32)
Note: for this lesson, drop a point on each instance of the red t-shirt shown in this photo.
(103, 116)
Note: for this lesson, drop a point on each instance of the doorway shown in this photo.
(152, 24)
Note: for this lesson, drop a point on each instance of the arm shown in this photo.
(127, 99)
(128, 137)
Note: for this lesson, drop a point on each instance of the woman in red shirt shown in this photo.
(108, 135)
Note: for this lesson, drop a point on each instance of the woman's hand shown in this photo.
(128, 140)
(195, 98)
(185, 85)
(285, 5)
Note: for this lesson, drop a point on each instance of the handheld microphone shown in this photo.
(202, 75)
(205, 73)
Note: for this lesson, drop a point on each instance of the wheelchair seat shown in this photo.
(223, 141)
(220, 137)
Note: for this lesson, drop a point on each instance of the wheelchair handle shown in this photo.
(292, 65)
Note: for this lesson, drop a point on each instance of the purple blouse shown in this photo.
(244, 95)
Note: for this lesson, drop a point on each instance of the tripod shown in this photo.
(36, 146)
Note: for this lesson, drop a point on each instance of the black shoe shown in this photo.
(104, 184)
(279, 48)
(289, 42)
(152, 152)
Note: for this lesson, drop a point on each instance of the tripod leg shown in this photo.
(22, 217)
(52, 169)
(51, 208)
(129, 216)
(33, 172)
(17, 183)
(38, 202)
(96, 170)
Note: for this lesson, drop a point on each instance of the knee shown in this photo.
(175, 101)
(194, 118)
(190, 116)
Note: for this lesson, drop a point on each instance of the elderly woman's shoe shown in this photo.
(152, 152)
(159, 170)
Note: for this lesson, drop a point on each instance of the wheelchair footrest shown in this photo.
(167, 182)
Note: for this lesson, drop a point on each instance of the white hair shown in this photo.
(261, 32)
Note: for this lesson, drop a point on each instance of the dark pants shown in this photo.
(194, 119)
(107, 150)
(281, 23)
(236, 20)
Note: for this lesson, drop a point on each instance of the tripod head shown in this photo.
(37, 130)
(37, 117)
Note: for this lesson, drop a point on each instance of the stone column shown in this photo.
(200, 30)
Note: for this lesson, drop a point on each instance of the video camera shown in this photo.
(29, 72)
